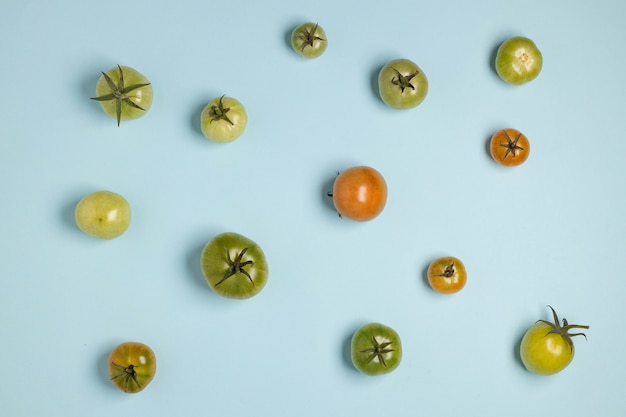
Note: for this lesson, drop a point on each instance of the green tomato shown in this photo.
(103, 214)
(309, 40)
(402, 84)
(376, 349)
(547, 347)
(223, 120)
(518, 60)
(234, 266)
(124, 93)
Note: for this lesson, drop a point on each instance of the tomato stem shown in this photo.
(237, 266)
(377, 351)
(563, 331)
(308, 37)
(403, 81)
(218, 112)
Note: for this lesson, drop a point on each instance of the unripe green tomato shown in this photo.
(518, 60)
(223, 120)
(402, 84)
(103, 214)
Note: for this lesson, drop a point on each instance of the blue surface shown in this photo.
(551, 231)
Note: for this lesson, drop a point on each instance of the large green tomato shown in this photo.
(223, 120)
(547, 347)
(103, 214)
(376, 349)
(309, 40)
(518, 60)
(124, 93)
(402, 84)
(234, 266)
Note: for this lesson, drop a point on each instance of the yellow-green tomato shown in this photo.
(547, 347)
(234, 266)
(376, 349)
(132, 366)
(103, 214)
(309, 40)
(518, 60)
(223, 120)
(402, 84)
(124, 93)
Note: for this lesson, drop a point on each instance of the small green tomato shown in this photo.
(376, 349)
(309, 40)
(103, 214)
(518, 60)
(223, 120)
(402, 84)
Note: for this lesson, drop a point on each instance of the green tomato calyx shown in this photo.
(120, 94)
(377, 351)
(563, 330)
(128, 373)
(448, 271)
(218, 112)
(403, 81)
(237, 266)
(308, 37)
(511, 146)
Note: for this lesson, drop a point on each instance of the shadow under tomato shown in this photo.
(516, 349)
(347, 352)
(327, 187)
(102, 370)
(193, 266)
(196, 116)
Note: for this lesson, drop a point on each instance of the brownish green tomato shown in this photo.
(132, 366)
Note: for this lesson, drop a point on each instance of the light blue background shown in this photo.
(551, 231)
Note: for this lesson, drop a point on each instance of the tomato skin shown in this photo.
(234, 266)
(223, 119)
(136, 102)
(447, 275)
(376, 349)
(132, 366)
(402, 84)
(103, 214)
(509, 147)
(309, 40)
(518, 60)
(547, 347)
(359, 193)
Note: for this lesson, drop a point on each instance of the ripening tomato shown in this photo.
(547, 347)
(234, 266)
(132, 366)
(223, 120)
(509, 147)
(518, 60)
(447, 275)
(124, 93)
(309, 40)
(359, 193)
(376, 349)
(402, 84)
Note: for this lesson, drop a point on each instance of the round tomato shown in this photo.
(518, 60)
(124, 93)
(547, 347)
(402, 84)
(509, 147)
(223, 120)
(309, 40)
(447, 275)
(359, 193)
(132, 366)
(103, 214)
(376, 349)
(234, 266)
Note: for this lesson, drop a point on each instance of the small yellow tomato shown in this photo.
(547, 347)
(447, 275)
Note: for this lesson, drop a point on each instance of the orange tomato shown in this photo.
(359, 193)
(132, 366)
(447, 275)
(509, 147)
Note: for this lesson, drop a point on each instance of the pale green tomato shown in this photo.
(309, 40)
(223, 120)
(124, 93)
(547, 347)
(518, 60)
(234, 266)
(103, 214)
(376, 349)
(402, 84)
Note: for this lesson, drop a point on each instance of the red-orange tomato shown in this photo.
(509, 147)
(132, 366)
(360, 193)
(447, 275)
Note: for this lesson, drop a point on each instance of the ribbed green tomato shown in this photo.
(547, 347)
(234, 266)
(376, 349)
(402, 84)
(518, 60)
(223, 120)
(124, 93)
